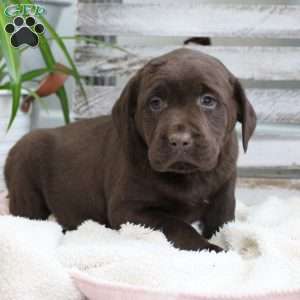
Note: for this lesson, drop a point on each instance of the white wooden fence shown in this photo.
(259, 41)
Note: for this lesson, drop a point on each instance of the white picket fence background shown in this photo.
(257, 40)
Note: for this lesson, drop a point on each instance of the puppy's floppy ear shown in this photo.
(123, 112)
(246, 114)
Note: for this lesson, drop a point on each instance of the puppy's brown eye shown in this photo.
(208, 101)
(156, 104)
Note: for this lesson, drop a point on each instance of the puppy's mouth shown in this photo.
(182, 167)
(183, 163)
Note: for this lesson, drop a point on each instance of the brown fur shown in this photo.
(127, 167)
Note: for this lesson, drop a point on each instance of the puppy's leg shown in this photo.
(26, 201)
(181, 234)
(221, 209)
(22, 179)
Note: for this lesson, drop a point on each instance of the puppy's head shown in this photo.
(182, 108)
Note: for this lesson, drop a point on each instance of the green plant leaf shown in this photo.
(2, 68)
(2, 73)
(34, 74)
(5, 86)
(12, 58)
(62, 95)
(12, 62)
(50, 62)
(16, 94)
(63, 47)
(28, 76)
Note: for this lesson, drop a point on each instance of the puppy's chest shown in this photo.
(187, 201)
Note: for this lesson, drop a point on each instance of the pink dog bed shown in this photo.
(98, 290)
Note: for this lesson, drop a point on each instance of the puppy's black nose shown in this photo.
(180, 140)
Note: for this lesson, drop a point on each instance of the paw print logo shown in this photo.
(24, 32)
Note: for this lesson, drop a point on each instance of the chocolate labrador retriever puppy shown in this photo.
(165, 158)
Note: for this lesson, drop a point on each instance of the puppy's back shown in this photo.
(37, 167)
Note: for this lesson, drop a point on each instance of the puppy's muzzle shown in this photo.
(180, 141)
(181, 144)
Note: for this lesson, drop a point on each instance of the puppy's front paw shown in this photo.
(212, 247)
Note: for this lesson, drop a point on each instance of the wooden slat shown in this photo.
(252, 63)
(278, 106)
(253, 184)
(272, 106)
(190, 18)
(267, 153)
(281, 172)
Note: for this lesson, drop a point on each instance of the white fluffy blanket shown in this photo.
(263, 255)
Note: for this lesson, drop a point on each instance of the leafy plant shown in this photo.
(11, 76)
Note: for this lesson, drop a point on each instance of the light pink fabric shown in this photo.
(3, 204)
(96, 290)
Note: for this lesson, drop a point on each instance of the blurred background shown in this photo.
(257, 40)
